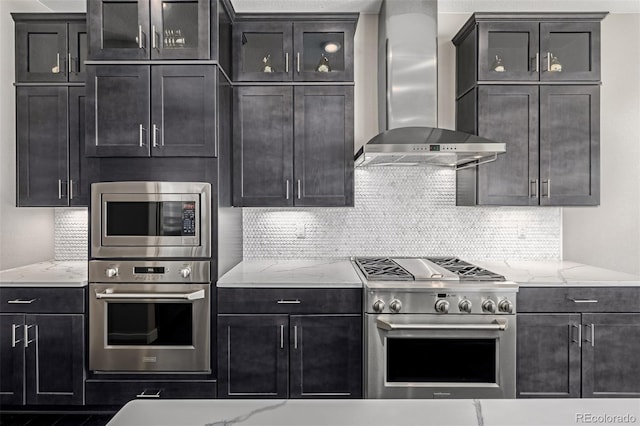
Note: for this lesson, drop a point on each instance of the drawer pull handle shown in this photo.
(144, 394)
(289, 302)
(21, 302)
(584, 300)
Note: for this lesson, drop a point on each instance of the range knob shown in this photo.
(465, 306)
(442, 306)
(489, 306)
(395, 305)
(185, 272)
(378, 305)
(505, 306)
(111, 271)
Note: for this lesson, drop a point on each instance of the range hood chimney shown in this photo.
(408, 95)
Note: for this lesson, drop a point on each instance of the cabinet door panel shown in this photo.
(263, 146)
(262, 51)
(323, 51)
(117, 111)
(55, 359)
(548, 356)
(610, 362)
(183, 111)
(507, 51)
(78, 165)
(570, 51)
(569, 145)
(326, 356)
(115, 27)
(11, 359)
(509, 114)
(78, 51)
(41, 121)
(253, 356)
(323, 146)
(179, 29)
(41, 52)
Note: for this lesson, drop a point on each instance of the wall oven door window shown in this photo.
(149, 327)
(437, 356)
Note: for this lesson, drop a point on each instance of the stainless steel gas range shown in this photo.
(437, 328)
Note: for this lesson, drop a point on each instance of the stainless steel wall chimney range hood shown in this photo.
(408, 96)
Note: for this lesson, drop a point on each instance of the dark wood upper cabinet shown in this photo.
(529, 80)
(283, 49)
(151, 29)
(142, 111)
(50, 48)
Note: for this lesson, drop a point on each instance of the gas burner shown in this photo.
(382, 269)
(466, 270)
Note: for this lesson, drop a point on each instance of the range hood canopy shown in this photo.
(407, 96)
(410, 146)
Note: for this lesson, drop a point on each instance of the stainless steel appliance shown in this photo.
(149, 316)
(150, 219)
(432, 330)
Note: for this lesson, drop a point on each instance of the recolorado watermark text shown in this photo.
(604, 418)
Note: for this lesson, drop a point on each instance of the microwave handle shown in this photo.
(198, 294)
(389, 326)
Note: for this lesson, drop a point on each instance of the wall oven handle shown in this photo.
(198, 294)
(389, 326)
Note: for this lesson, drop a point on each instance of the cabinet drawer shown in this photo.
(42, 300)
(289, 301)
(579, 299)
(108, 392)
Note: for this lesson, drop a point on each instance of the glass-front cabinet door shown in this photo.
(508, 51)
(262, 51)
(570, 51)
(179, 29)
(323, 51)
(118, 29)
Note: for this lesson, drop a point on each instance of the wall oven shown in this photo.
(150, 219)
(437, 356)
(149, 316)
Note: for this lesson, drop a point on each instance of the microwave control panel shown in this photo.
(189, 219)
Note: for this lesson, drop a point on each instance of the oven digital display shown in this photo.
(148, 269)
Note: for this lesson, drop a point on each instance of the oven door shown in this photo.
(137, 327)
(440, 356)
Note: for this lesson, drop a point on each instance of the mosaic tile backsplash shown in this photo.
(71, 234)
(404, 211)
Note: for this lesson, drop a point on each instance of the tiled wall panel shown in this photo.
(404, 211)
(71, 234)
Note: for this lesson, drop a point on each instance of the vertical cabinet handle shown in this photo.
(71, 189)
(298, 62)
(593, 334)
(579, 341)
(295, 337)
(548, 61)
(26, 335)
(68, 63)
(287, 189)
(286, 62)
(154, 34)
(56, 69)
(547, 184)
(533, 193)
(537, 61)
(140, 35)
(141, 131)
(14, 329)
(299, 189)
(281, 336)
(59, 189)
(154, 131)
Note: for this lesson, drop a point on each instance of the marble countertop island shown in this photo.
(372, 412)
(46, 274)
(558, 273)
(307, 273)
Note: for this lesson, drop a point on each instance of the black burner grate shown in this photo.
(382, 269)
(466, 270)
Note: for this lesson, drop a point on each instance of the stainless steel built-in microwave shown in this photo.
(150, 219)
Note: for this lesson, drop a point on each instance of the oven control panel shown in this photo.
(490, 303)
(104, 271)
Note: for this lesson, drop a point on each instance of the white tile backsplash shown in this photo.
(71, 234)
(404, 211)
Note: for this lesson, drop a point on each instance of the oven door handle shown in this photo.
(498, 325)
(198, 294)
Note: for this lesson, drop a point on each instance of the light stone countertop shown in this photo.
(46, 274)
(379, 412)
(307, 273)
(558, 273)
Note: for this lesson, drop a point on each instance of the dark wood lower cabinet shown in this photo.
(297, 356)
(119, 392)
(11, 360)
